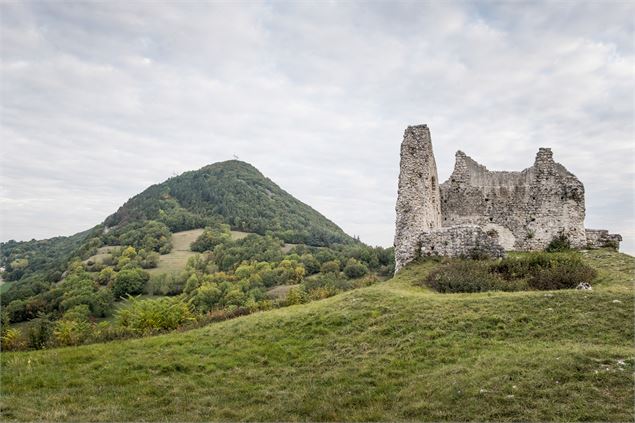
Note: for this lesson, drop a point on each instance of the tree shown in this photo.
(129, 282)
(106, 276)
(355, 269)
(206, 297)
(332, 266)
(311, 264)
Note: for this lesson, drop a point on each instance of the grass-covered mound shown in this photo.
(393, 351)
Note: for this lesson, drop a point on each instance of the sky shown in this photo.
(99, 100)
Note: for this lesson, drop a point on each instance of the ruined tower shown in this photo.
(418, 201)
(478, 212)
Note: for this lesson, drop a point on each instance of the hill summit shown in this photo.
(232, 192)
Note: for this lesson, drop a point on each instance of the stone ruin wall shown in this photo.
(460, 240)
(601, 238)
(527, 209)
(485, 210)
(418, 200)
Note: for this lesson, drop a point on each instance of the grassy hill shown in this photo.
(393, 351)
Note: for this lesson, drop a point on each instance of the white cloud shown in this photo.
(100, 100)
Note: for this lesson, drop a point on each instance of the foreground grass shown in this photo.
(393, 351)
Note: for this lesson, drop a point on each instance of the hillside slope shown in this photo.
(231, 192)
(393, 351)
(236, 193)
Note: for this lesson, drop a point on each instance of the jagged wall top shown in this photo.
(520, 210)
(527, 208)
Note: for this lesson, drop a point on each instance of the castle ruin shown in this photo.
(486, 211)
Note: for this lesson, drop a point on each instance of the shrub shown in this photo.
(151, 316)
(310, 263)
(71, 332)
(562, 275)
(166, 284)
(516, 267)
(106, 276)
(468, 276)
(559, 243)
(129, 282)
(39, 332)
(354, 269)
(295, 296)
(11, 340)
(211, 237)
(206, 297)
(332, 266)
(539, 270)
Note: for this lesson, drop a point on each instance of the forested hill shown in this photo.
(235, 193)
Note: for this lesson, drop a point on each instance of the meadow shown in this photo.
(392, 351)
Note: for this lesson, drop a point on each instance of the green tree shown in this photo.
(355, 269)
(332, 266)
(129, 282)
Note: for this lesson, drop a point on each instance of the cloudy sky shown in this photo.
(100, 100)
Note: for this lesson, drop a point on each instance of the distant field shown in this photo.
(176, 260)
(280, 291)
(173, 262)
(102, 253)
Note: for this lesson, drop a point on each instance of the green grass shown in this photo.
(176, 259)
(393, 351)
(102, 253)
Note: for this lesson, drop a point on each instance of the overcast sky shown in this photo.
(101, 100)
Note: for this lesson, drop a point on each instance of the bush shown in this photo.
(11, 340)
(332, 266)
(71, 332)
(516, 267)
(559, 243)
(129, 282)
(206, 297)
(540, 271)
(467, 276)
(166, 284)
(295, 296)
(39, 332)
(151, 316)
(212, 237)
(354, 269)
(562, 275)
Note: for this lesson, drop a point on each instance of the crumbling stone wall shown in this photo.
(494, 211)
(460, 241)
(601, 238)
(528, 209)
(418, 200)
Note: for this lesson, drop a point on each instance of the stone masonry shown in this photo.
(418, 201)
(460, 240)
(493, 210)
(528, 209)
(601, 238)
